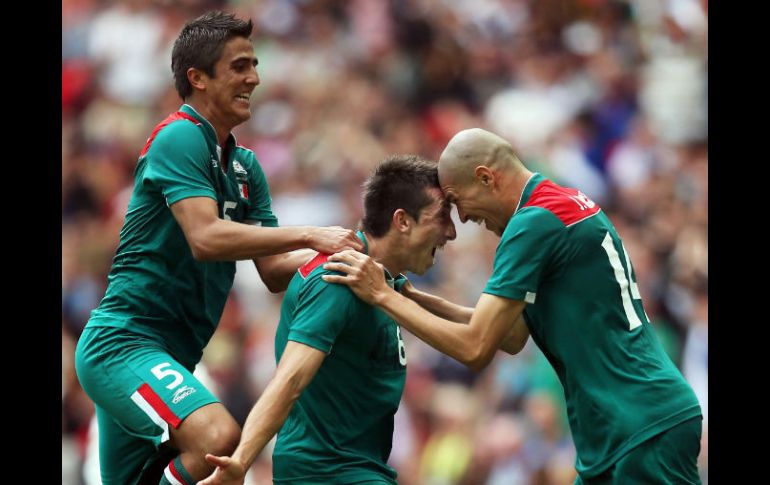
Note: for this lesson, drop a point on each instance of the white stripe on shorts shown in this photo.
(152, 414)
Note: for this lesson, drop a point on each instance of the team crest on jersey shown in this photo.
(239, 168)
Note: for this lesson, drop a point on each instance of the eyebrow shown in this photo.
(242, 59)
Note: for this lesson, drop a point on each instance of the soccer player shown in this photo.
(562, 267)
(200, 202)
(342, 362)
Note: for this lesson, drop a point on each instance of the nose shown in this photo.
(451, 232)
(462, 215)
(253, 78)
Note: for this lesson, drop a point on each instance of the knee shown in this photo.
(221, 438)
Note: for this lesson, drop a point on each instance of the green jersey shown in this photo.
(156, 288)
(340, 430)
(561, 255)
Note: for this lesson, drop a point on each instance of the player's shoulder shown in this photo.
(314, 266)
(569, 206)
(177, 133)
(310, 277)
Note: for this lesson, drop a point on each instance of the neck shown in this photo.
(208, 111)
(383, 251)
(513, 188)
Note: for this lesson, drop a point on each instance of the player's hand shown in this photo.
(362, 274)
(228, 471)
(333, 239)
(407, 290)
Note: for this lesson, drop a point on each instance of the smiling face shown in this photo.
(429, 234)
(235, 77)
(475, 202)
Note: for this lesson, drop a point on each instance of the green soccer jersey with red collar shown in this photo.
(340, 430)
(561, 255)
(156, 288)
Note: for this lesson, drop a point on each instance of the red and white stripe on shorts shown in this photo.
(154, 407)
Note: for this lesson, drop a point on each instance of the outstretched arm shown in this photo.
(437, 305)
(297, 367)
(214, 239)
(473, 344)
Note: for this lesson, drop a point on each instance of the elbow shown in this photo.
(513, 349)
(201, 253)
(273, 280)
(201, 250)
(478, 358)
(274, 286)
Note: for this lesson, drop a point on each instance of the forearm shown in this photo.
(266, 419)
(458, 340)
(441, 307)
(231, 241)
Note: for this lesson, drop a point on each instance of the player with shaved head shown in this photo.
(562, 275)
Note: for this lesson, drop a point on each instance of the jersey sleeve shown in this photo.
(178, 163)
(523, 254)
(323, 310)
(259, 198)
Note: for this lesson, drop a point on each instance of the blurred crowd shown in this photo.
(608, 96)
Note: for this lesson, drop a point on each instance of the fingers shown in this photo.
(347, 256)
(341, 267)
(218, 460)
(333, 278)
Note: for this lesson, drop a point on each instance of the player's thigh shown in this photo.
(121, 455)
(668, 458)
(145, 390)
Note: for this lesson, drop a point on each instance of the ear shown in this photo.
(198, 79)
(402, 221)
(485, 176)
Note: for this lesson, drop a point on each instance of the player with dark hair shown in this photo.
(341, 362)
(561, 274)
(200, 202)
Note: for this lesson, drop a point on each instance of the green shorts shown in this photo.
(140, 393)
(670, 457)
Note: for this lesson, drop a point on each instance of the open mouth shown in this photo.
(435, 249)
(243, 97)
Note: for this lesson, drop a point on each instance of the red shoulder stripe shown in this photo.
(179, 115)
(308, 267)
(569, 205)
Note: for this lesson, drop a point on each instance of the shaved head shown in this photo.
(473, 147)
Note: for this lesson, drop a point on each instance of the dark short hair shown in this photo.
(200, 45)
(399, 182)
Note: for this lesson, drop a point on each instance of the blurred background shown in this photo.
(608, 96)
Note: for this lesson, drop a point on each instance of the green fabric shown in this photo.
(340, 430)
(620, 386)
(156, 288)
(670, 458)
(112, 365)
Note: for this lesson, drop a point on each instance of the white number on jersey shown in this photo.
(401, 348)
(228, 205)
(628, 292)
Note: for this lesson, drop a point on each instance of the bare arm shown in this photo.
(214, 239)
(516, 338)
(297, 367)
(473, 344)
(277, 271)
(437, 305)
